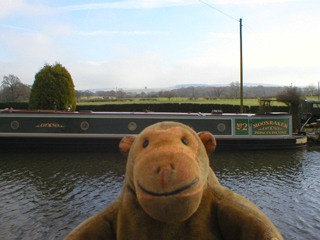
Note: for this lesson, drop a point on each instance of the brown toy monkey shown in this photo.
(170, 192)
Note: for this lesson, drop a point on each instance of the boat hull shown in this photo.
(107, 144)
(49, 130)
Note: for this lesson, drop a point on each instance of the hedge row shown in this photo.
(176, 107)
(167, 107)
(14, 105)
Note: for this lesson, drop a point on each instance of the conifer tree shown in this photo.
(53, 88)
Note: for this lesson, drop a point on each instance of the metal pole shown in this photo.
(318, 90)
(241, 70)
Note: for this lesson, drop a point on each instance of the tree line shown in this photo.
(231, 91)
(13, 90)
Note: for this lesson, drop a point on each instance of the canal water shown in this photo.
(46, 195)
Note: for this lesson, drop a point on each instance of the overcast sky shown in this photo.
(162, 43)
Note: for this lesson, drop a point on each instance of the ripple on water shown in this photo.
(44, 196)
(284, 184)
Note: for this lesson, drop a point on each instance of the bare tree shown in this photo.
(309, 90)
(169, 94)
(14, 90)
(121, 94)
(234, 89)
(291, 96)
(219, 91)
(260, 91)
(78, 95)
(87, 94)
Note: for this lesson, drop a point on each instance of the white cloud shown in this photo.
(129, 71)
(26, 53)
(284, 50)
(22, 6)
(33, 46)
(224, 35)
(58, 30)
(245, 2)
(16, 28)
(9, 7)
(112, 33)
(129, 4)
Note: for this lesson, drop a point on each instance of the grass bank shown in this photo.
(247, 102)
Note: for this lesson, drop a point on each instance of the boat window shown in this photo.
(14, 124)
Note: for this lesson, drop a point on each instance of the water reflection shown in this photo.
(45, 195)
(284, 184)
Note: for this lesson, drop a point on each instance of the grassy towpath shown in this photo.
(246, 102)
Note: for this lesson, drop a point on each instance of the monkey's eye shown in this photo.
(184, 141)
(145, 143)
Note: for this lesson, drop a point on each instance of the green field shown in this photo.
(247, 102)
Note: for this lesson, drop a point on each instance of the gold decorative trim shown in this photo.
(50, 125)
(14, 124)
(221, 127)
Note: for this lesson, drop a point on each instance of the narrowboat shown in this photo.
(87, 130)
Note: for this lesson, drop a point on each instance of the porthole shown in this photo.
(221, 127)
(14, 124)
(132, 126)
(84, 125)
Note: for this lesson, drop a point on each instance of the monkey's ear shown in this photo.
(125, 144)
(209, 141)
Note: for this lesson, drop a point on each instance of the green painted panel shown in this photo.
(241, 127)
(107, 125)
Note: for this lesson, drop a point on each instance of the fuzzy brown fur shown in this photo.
(170, 192)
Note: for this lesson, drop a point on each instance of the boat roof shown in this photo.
(86, 112)
(312, 101)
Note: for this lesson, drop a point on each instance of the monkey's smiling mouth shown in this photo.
(166, 194)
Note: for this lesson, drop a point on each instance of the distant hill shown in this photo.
(136, 90)
(225, 85)
(146, 90)
(191, 85)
